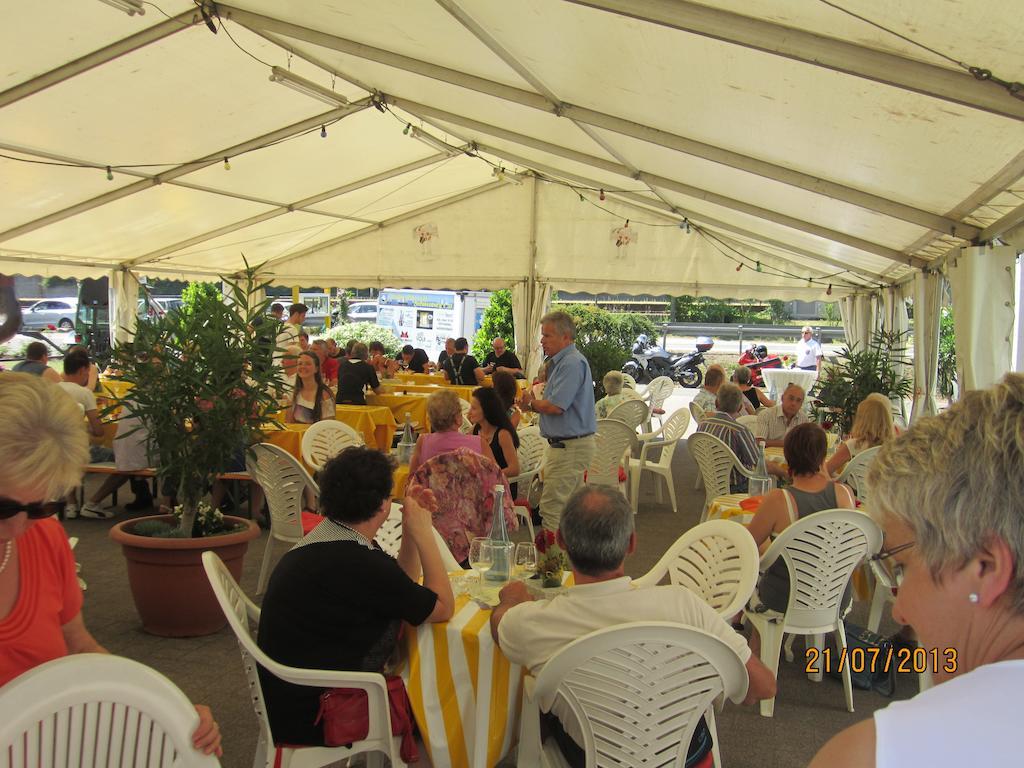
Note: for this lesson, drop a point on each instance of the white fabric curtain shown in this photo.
(927, 308)
(123, 292)
(860, 319)
(982, 280)
(529, 304)
(895, 320)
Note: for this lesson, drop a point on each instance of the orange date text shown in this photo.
(875, 660)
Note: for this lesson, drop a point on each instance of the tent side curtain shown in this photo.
(927, 308)
(529, 304)
(983, 285)
(123, 290)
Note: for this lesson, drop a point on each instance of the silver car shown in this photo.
(50, 313)
(365, 311)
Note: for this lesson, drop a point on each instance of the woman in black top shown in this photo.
(354, 375)
(490, 421)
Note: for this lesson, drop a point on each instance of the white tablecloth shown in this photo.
(778, 378)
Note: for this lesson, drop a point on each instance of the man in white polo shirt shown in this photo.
(597, 534)
(808, 351)
(773, 423)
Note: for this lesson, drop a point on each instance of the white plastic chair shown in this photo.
(389, 536)
(697, 414)
(821, 552)
(658, 391)
(241, 612)
(672, 432)
(748, 421)
(855, 473)
(883, 593)
(97, 709)
(716, 560)
(326, 439)
(632, 412)
(467, 425)
(615, 439)
(532, 452)
(283, 481)
(636, 690)
(629, 381)
(716, 461)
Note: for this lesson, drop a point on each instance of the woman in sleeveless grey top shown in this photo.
(811, 491)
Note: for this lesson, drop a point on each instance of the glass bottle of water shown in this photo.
(408, 441)
(500, 542)
(761, 482)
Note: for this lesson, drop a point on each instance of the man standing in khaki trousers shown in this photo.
(567, 419)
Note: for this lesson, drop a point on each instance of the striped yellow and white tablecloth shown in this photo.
(465, 694)
(421, 378)
(728, 508)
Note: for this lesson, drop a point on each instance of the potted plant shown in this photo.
(858, 373)
(202, 383)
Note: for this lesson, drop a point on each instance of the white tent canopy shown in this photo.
(794, 136)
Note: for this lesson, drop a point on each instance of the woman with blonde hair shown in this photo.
(444, 409)
(872, 426)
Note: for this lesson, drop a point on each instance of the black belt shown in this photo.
(560, 440)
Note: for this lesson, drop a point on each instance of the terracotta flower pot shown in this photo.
(169, 585)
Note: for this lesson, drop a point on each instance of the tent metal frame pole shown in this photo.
(1003, 225)
(674, 211)
(819, 50)
(654, 180)
(388, 222)
(260, 23)
(301, 205)
(97, 58)
(182, 170)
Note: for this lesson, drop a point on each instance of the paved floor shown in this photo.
(209, 669)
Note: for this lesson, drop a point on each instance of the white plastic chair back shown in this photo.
(747, 421)
(629, 381)
(671, 434)
(855, 473)
(715, 460)
(467, 426)
(389, 536)
(283, 481)
(532, 450)
(821, 552)
(639, 689)
(658, 391)
(697, 412)
(97, 709)
(326, 439)
(614, 440)
(716, 560)
(632, 412)
(243, 615)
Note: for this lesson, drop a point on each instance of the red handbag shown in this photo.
(345, 713)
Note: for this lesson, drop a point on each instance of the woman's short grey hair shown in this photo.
(729, 398)
(562, 321)
(741, 375)
(444, 410)
(596, 526)
(613, 382)
(957, 480)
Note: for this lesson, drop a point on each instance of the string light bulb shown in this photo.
(810, 282)
(581, 198)
(227, 164)
(829, 291)
(601, 196)
(686, 226)
(758, 264)
(739, 267)
(323, 131)
(110, 174)
(408, 127)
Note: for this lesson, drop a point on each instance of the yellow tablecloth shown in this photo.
(466, 393)
(413, 404)
(376, 423)
(115, 387)
(400, 477)
(728, 508)
(421, 378)
(465, 694)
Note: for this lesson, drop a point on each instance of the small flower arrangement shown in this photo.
(208, 522)
(552, 561)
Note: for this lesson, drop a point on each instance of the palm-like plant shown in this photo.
(202, 385)
(858, 373)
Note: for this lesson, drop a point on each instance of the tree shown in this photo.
(831, 313)
(777, 311)
(497, 321)
(195, 294)
(947, 353)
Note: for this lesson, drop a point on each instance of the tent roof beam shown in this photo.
(821, 51)
(545, 103)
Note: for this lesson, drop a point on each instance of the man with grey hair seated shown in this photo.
(773, 423)
(597, 534)
(723, 425)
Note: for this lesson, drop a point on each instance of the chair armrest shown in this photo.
(645, 436)
(326, 678)
(529, 727)
(524, 477)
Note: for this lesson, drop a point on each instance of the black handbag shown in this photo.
(872, 661)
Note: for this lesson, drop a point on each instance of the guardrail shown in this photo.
(728, 331)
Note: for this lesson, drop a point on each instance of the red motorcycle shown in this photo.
(756, 358)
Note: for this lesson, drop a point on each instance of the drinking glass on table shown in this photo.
(481, 558)
(526, 560)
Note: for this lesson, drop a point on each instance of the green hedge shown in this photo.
(365, 332)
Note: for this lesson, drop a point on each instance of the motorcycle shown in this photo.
(649, 361)
(756, 358)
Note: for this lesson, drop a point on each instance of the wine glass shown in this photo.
(526, 560)
(481, 558)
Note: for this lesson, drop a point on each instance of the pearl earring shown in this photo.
(973, 597)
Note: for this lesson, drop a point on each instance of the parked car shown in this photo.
(157, 306)
(50, 313)
(362, 311)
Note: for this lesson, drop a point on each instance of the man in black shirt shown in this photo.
(462, 368)
(503, 359)
(415, 359)
(336, 600)
(354, 375)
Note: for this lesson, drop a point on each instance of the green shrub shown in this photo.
(193, 294)
(947, 353)
(603, 356)
(497, 321)
(365, 332)
(605, 338)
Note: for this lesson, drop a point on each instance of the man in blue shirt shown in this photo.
(567, 417)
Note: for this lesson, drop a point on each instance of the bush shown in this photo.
(192, 295)
(365, 332)
(603, 356)
(605, 339)
(497, 321)
(947, 354)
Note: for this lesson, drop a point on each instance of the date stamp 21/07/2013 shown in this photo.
(902, 659)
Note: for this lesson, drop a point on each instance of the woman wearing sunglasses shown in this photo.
(43, 451)
(949, 495)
